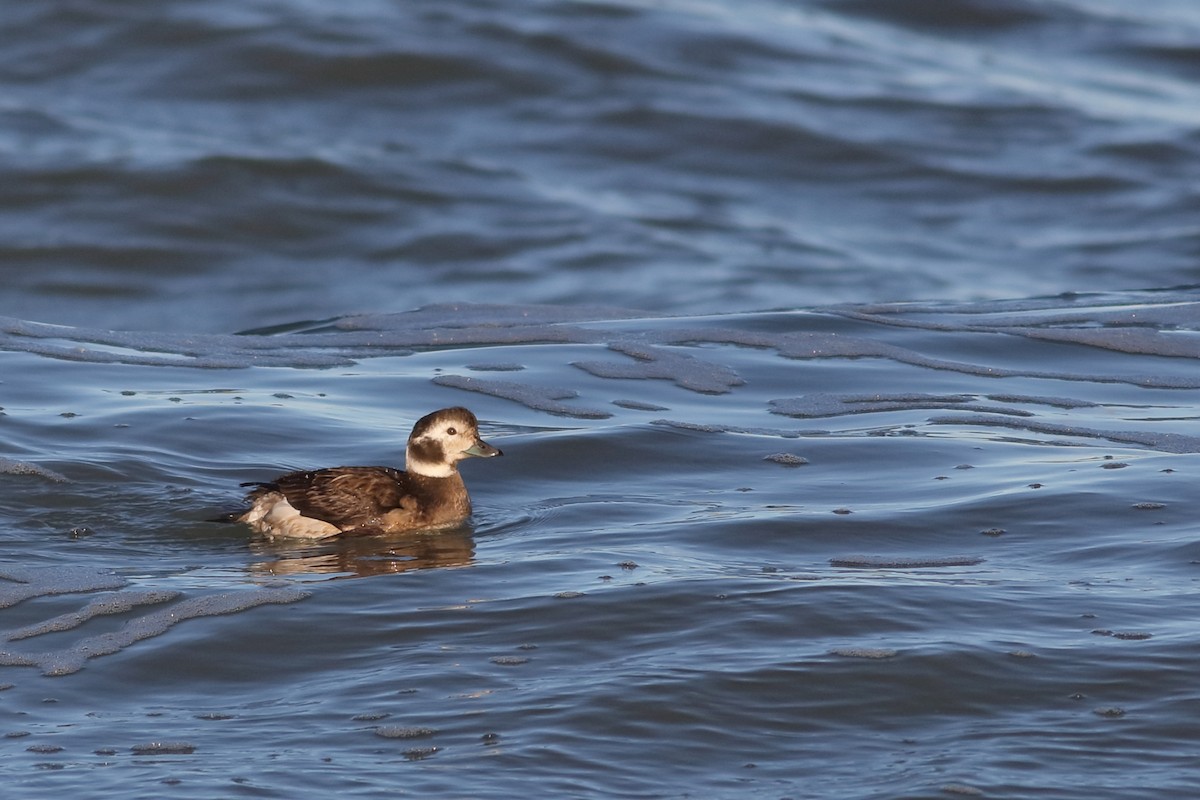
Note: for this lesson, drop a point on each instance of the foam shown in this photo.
(497, 367)
(1165, 442)
(1158, 323)
(536, 397)
(466, 315)
(683, 370)
(70, 659)
(875, 653)
(1160, 307)
(638, 405)
(28, 582)
(748, 430)
(835, 405)
(163, 749)
(787, 459)
(116, 603)
(1136, 340)
(1056, 402)
(401, 732)
(11, 467)
(1153, 323)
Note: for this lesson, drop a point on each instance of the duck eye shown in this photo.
(451, 431)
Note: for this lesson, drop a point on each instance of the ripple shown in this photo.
(904, 562)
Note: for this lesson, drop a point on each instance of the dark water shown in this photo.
(218, 166)
(885, 490)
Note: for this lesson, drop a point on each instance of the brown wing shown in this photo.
(348, 497)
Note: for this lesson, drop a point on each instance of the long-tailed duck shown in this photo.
(352, 500)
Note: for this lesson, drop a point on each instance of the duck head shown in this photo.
(443, 438)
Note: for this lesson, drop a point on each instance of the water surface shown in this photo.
(848, 409)
(896, 549)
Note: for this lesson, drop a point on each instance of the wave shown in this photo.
(1090, 366)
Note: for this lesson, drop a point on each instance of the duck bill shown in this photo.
(482, 449)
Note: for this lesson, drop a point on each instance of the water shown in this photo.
(849, 415)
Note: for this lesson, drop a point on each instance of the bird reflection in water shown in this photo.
(363, 556)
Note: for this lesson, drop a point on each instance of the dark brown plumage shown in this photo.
(350, 500)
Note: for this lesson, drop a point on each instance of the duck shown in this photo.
(337, 501)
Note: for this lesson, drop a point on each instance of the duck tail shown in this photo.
(260, 487)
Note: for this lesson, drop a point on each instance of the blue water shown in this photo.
(843, 355)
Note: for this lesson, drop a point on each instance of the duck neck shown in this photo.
(427, 469)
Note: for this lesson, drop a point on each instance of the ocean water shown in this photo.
(843, 354)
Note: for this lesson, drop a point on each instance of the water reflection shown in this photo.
(363, 556)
